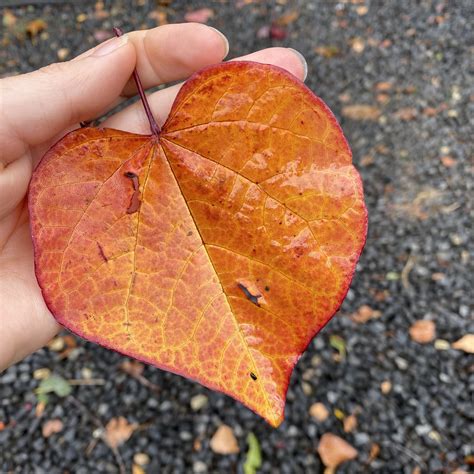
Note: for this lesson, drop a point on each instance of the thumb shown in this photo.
(35, 107)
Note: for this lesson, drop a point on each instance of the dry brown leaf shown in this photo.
(383, 86)
(448, 161)
(319, 411)
(199, 16)
(423, 331)
(374, 452)
(361, 112)
(287, 18)
(364, 314)
(118, 431)
(136, 469)
(224, 441)
(466, 344)
(329, 51)
(51, 427)
(406, 113)
(9, 19)
(132, 367)
(350, 423)
(334, 450)
(35, 27)
(39, 409)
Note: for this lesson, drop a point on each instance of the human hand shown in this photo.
(38, 108)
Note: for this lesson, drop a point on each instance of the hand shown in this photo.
(37, 109)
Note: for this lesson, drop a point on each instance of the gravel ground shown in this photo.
(409, 61)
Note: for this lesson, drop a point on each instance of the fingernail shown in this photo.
(110, 46)
(226, 41)
(303, 62)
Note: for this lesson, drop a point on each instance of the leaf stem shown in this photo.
(154, 127)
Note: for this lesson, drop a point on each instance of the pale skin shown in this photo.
(38, 108)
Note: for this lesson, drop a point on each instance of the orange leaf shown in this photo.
(51, 427)
(215, 250)
(118, 431)
(423, 331)
(334, 450)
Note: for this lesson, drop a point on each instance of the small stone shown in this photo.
(86, 373)
(307, 389)
(63, 53)
(442, 345)
(198, 401)
(402, 364)
(41, 374)
(199, 467)
(142, 459)
(386, 387)
(185, 436)
(56, 344)
(319, 411)
(422, 430)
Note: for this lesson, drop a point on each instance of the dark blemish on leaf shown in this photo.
(253, 376)
(190, 233)
(101, 252)
(135, 200)
(267, 288)
(250, 297)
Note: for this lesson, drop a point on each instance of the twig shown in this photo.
(406, 272)
(118, 457)
(410, 454)
(86, 382)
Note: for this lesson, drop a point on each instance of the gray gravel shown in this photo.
(417, 264)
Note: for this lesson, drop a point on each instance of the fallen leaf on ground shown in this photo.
(253, 461)
(319, 411)
(361, 112)
(334, 450)
(466, 344)
(118, 431)
(2, 426)
(383, 86)
(423, 331)
(328, 51)
(224, 441)
(54, 384)
(51, 427)
(338, 343)
(9, 19)
(406, 114)
(287, 18)
(374, 452)
(203, 15)
(448, 161)
(350, 423)
(136, 469)
(132, 367)
(364, 314)
(39, 409)
(35, 27)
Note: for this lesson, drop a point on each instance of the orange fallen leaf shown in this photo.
(35, 27)
(118, 431)
(350, 423)
(448, 161)
(224, 441)
(203, 15)
(361, 112)
(364, 314)
(466, 344)
(51, 427)
(335, 451)
(374, 452)
(39, 409)
(2, 426)
(423, 331)
(287, 18)
(319, 411)
(215, 248)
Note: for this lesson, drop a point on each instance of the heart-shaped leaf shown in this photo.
(215, 249)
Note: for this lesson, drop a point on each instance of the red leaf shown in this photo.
(215, 250)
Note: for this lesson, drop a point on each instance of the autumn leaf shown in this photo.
(215, 248)
(51, 427)
(466, 344)
(423, 331)
(334, 451)
(118, 431)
